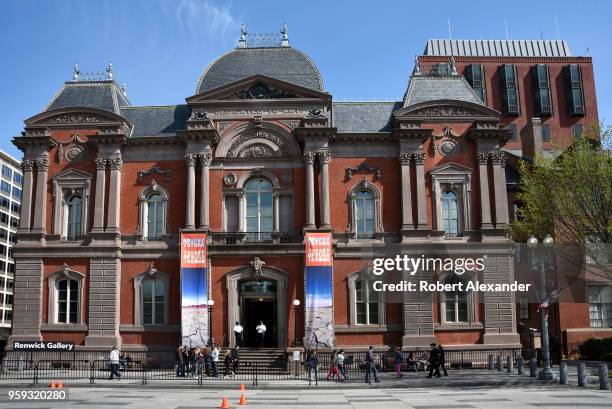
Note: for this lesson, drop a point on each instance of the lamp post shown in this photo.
(210, 303)
(296, 304)
(532, 243)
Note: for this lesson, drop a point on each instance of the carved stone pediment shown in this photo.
(264, 141)
(260, 90)
(447, 109)
(80, 117)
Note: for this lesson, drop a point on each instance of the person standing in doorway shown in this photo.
(261, 334)
(441, 360)
(238, 333)
(370, 366)
(114, 363)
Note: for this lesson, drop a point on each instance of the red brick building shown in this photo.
(259, 154)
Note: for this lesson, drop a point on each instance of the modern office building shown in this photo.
(11, 180)
(260, 154)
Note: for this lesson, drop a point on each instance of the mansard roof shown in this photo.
(498, 48)
(282, 63)
(156, 120)
(103, 94)
(425, 88)
(363, 117)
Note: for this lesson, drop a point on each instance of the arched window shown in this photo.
(67, 301)
(364, 215)
(73, 228)
(456, 302)
(259, 210)
(155, 216)
(153, 301)
(450, 214)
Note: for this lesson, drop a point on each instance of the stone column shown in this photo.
(98, 219)
(190, 210)
(405, 160)
(26, 199)
(419, 159)
(418, 313)
(310, 201)
(40, 207)
(483, 175)
(114, 195)
(324, 158)
(276, 206)
(104, 302)
(205, 161)
(501, 194)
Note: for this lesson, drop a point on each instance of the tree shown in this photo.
(569, 195)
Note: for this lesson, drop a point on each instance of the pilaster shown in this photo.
(190, 198)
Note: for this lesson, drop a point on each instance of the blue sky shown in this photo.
(364, 50)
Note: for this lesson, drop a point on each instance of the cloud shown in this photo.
(198, 15)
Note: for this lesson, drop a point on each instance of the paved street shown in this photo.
(462, 389)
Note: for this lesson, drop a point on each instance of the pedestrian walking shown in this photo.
(261, 334)
(370, 366)
(227, 361)
(235, 360)
(214, 357)
(238, 330)
(441, 360)
(207, 360)
(341, 366)
(180, 361)
(433, 362)
(398, 358)
(312, 361)
(333, 367)
(113, 362)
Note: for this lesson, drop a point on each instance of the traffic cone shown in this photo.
(242, 387)
(60, 385)
(242, 399)
(52, 386)
(225, 403)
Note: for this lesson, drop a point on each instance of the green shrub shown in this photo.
(597, 349)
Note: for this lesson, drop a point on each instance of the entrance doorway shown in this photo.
(258, 303)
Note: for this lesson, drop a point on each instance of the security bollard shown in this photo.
(490, 361)
(519, 365)
(533, 367)
(581, 375)
(509, 364)
(563, 373)
(604, 382)
(499, 364)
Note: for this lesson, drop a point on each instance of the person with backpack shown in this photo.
(370, 366)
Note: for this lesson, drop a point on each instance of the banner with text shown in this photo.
(194, 289)
(319, 306)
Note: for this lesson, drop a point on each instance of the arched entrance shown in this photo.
(252, 299)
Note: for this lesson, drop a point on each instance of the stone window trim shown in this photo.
(458, 179)
(152, 273)
(143, 197)
(472, 303)
(52, 299)
(364, 186)
(351, 280)
(67, 184)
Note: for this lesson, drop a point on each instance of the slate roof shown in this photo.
(363, 117)
(156, 120)
(498, 48)
(103, 94)
(282, 63)
(424, 88)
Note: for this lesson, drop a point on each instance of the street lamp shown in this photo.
(210, 303)
(546, 373)
(296, 304)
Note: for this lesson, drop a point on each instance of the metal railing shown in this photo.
(256, 237)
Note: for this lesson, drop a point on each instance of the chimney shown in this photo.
(532, 145)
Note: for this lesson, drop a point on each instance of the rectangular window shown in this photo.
(14, 222)
(4, 218)
(16, 193)
(545, 133)
(475, 76)
(15, 207)
(513, 132)
(5, 187)
(7, 173)
(577, 130)
(524, 310)
(541, 88)
(600, 306)
(366, 303)
(17, 178)
(574, 94)
(509, 85)
(4, 202)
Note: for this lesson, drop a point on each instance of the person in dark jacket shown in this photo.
(433, 362)
(398, 358)
(180, 361)
(370, 366)
(235, 359)
(312, 361)
(441, 360)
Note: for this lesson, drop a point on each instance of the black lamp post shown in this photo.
(210, 303)
(296, 305)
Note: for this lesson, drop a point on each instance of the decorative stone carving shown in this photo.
(229, 179)
(498, 158)
(419, 158)
(405, 158)
(206, 158)
(152, 271)
(236, 148)
(292, 124)
(166, 173)
(324, 157)
(115, 163)
(42, 164)
(75, 118)
(448, 147)
(101, 163)
(259, 91)
(315, 113)
(65, 270)
(60, 153)
(309, 158)
(257, 266)
(364, 166)
(73, 153)
(190, 159)
(257, 151)
(27, 165)
(482, 157)
(221, 126)
(446, 111)
(286, 178)
(199, 116)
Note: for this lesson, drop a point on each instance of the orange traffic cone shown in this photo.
(225, 403)
(242, 387)
(52, 386)
(60, 385)
(242, 399)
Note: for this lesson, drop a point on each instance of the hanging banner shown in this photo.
(318, 311)
(194, 290)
